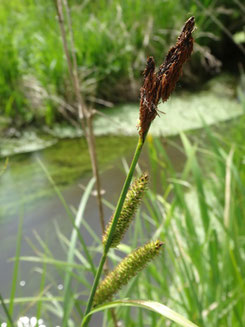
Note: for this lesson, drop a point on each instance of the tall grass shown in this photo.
(156, 85)
(199, 213)
(203, 227)
(112, 41)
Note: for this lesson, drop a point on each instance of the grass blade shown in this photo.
(70, 258)
(5, 309)
(42, 288)
(149, 305)
(59, 263)
(70, 215)
(16, 266)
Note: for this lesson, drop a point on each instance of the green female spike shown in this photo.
(132, 202)
(127, 269)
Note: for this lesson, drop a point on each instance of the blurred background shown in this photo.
(112, 42)
(42, 144)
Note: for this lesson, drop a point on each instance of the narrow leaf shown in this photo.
(145, 304)
(6, 311)
(16, 266)
(68, 299)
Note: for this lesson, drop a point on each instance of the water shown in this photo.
(26, 191)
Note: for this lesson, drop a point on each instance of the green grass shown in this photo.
(112, 42)
(203, 270)
(16, 266)
(197, 210)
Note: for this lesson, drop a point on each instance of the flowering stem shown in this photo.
(113, 226)
(124, 192)
(156, 85)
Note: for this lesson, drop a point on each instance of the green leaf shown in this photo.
(16, 266)
(34, 299)
(70, 215)
(68, 298)
(59, 263)
(145, 304)
(5, 309)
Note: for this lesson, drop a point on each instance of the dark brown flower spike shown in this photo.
(162, 83)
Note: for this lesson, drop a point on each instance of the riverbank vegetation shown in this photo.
(34, 80)
(197, 211)
(192, 212)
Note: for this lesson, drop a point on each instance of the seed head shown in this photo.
(127, 269)
(131, 204)
(161, 84)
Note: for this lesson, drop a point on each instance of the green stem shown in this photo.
(95, 283)
(113, 226)
(124, 192)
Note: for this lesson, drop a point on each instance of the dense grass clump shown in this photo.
(203, 227)
(112, 40)
(198, 212)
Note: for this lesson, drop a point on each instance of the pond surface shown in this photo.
(25, 190)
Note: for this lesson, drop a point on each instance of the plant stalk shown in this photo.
(113, 226)
(84, 113)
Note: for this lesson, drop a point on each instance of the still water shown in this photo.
(26, 191)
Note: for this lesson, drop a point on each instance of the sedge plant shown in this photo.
(157, 85)
(202, 226)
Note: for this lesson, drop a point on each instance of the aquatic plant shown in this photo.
(125, 270)
(131, 203)
(156, 85)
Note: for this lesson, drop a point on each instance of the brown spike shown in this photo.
(161, 84)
